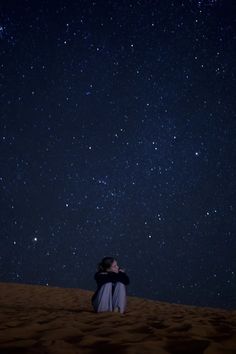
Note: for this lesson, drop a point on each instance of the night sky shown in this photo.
(118, 126)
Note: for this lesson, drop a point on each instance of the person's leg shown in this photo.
(119, 297)
(103, 300)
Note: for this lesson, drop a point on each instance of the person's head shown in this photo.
(108, 264)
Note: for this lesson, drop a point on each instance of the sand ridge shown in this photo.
(40, 319)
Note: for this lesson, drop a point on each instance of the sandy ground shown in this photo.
(41, 319)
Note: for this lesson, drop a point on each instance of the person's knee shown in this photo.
(106, 285)
(119, 285)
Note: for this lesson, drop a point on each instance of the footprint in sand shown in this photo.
(181, 327)
(159, 324)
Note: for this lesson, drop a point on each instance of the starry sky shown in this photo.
(118, 125)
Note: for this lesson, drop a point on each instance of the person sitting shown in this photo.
(111, 280)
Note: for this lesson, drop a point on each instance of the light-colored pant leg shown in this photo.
(119, 297)
(105, 301)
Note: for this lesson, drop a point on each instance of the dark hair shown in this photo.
(105, 263)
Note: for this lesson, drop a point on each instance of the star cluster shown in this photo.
(118, 138)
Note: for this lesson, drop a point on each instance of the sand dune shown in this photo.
(40, 319)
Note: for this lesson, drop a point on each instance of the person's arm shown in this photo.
(105, 277)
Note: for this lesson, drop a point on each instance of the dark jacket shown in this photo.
(106, 277)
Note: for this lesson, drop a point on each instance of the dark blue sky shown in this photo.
(118, 139)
